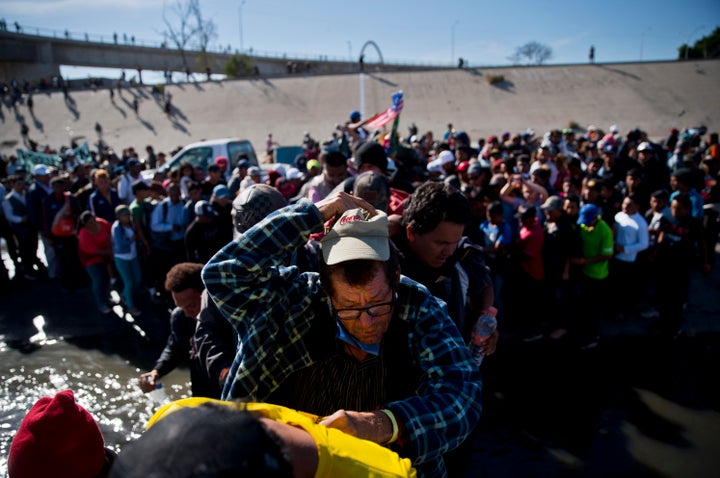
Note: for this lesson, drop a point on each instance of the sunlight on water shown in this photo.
(106, 385)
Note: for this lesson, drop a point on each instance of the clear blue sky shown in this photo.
(482, 32)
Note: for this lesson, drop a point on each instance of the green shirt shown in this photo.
(597, 241)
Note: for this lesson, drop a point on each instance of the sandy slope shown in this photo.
(654, 96)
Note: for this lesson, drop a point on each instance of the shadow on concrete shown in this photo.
(122, 111)
(382, 80)
(473, 71)
(505, 85)
(37, 123)
(147, 125)
(72, 107)
(621, 72)
(177, 112)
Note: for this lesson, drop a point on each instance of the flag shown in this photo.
(380, 120)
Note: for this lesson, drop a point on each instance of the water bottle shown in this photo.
(158, 395)
(484, 328)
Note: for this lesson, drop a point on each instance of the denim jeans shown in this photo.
(100, 282)
(131, 277)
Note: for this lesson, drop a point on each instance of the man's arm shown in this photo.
(176, 351)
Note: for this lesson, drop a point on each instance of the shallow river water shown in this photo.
(105, 384)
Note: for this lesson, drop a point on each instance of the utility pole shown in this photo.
(452, 43)
(241, 24)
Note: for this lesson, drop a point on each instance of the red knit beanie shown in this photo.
(57, 438)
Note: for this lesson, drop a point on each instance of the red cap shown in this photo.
(463, 166)
(57, 438)
(221, 161)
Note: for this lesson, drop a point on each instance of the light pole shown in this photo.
(241, 28)
(642, 41)
(687, 43)
(452, 42)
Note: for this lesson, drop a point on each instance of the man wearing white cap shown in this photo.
(371, 351)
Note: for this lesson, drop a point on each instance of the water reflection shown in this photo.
(104, 384)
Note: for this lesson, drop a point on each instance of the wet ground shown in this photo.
(636, 405)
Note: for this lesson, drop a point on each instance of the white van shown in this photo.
(204, 153)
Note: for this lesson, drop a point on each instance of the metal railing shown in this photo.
(125, 40)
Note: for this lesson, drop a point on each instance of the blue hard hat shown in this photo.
(355, 115)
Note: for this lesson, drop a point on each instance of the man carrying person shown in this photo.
(393, 367)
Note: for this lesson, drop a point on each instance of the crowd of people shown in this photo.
(361, 269)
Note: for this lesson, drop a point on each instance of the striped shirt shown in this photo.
(287, 335)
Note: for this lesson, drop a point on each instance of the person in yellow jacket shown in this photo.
(216, 438)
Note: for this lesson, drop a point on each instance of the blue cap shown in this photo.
(355, 115)
(244, 164)
(588, 213)
(221, 191)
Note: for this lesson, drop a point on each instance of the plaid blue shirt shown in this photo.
(273, 307)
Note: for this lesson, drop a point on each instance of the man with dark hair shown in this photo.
(392, 367)
(436, 254)
(334, 172)
(185, 285)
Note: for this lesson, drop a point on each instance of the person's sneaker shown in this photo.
(134, 311)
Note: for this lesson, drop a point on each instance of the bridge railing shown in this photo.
(123, 39)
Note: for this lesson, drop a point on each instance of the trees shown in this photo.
(706, 47)
(532, 53)
(239, 66)
(187, 28)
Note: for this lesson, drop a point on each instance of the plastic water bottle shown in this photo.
(484, 328)
(158, 395)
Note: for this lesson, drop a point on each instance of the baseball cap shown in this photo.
(221, 191)
(588, 213)
(254, 171)
(244, 164)
(132, 162)
(253, 204)
(204, 209)
(57, 437)
(221, 161)
(463, 166)
(374, 188)
(293, 173)
(373, 153)
(552, 203)
(40, 170)
(355, 235)
(312, 163)
(446, 157)
(355, 115)
(122, 210)
(644, 146)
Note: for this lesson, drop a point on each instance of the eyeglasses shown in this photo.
(376, 310)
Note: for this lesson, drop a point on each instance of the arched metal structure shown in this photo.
(373, 44)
